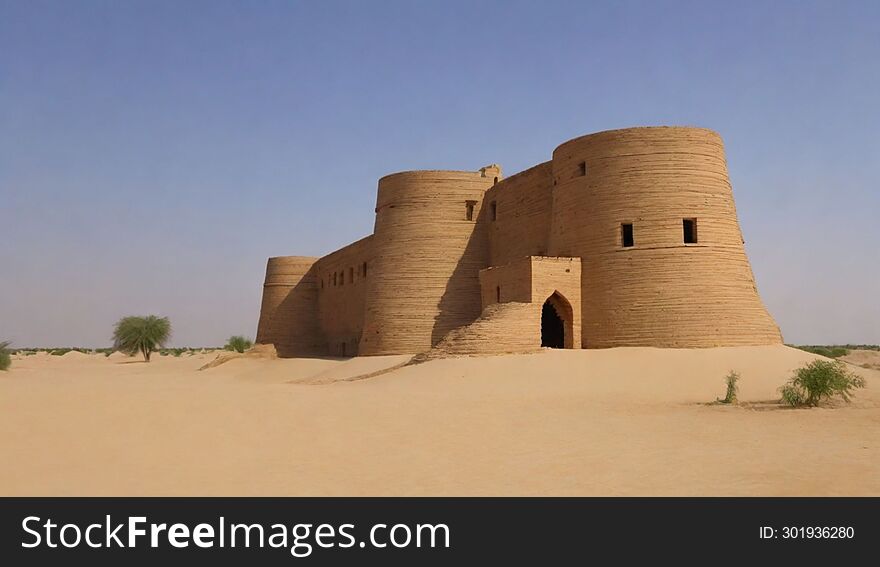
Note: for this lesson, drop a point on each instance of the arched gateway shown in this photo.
(556, 322)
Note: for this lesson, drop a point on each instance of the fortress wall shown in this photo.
(660, 292)
(522, 224)
(559, 275)
(531, 279)
(427, 257)
(288, 315)
(513, 282)
(341, 299)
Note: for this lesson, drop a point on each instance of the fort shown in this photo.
(623, 238)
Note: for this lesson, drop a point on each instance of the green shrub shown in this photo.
(732, 388)
(5, 356)
(238, 344)
(830, 351)
(144, 335)
(176, 352)
(819, 380)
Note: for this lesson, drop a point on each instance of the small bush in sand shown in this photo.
(830, 351)
(732, 388)
(5, 356)
(238, 344)
(175, 352)
(144, 335)
(819, 380)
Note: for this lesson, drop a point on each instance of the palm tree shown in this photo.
(132, 335)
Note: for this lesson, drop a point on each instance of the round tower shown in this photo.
(428, 250)
(650, 211)
(288, 315)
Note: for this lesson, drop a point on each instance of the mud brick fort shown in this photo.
(624, 238)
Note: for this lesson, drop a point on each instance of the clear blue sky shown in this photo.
(154, 154)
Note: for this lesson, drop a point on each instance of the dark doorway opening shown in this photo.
(552, 327)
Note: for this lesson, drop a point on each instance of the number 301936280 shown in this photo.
(808, 532)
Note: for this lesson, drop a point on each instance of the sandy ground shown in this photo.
(630, 421)
(864, 358)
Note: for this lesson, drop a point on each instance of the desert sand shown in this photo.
(864, 358)
(624, 421)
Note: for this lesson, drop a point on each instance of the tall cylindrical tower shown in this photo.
(289, 316)
(428, 249)
(650, 211)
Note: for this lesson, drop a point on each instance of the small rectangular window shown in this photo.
(582, 169)
(498, 294)
(469, 209)
(351, 275)
(493, 210)
(626, 234)
(365, 270)
(690, 230)
(341, 278)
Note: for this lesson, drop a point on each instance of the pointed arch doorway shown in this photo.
(556, 322)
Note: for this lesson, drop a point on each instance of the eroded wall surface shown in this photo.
(509, 327)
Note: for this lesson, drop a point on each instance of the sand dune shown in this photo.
(629, 421)
(76, 355)
(114, 356)
(863, 358)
